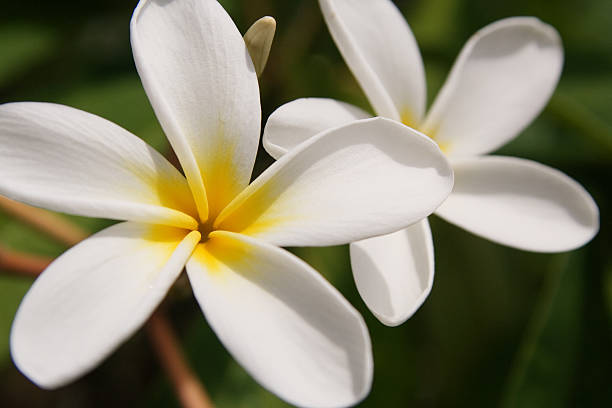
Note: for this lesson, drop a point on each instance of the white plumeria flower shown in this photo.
(287, 326)
(500, 82)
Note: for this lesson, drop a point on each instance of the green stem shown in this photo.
(534, 331)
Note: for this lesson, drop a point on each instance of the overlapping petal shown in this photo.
(381, 51)
(394, 273)
(197, 72)
(94, 297)
(299, 120)
(367, 178)
(288, 327)
(520, 203)
(500, 82)
(71, 161)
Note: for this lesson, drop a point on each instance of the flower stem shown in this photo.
(22, 264)
(189, 390)
(45, 221)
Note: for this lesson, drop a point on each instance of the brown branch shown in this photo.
(22, 264)
(45, 221)
(188, 388)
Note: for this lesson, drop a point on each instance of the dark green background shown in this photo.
(501, 327)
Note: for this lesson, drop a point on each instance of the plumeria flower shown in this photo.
(287, 326)
(501, 80)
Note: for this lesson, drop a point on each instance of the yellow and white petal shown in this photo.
(357, 181)
(197, 72)
(67, 160)
(520, 203)
(502, 79)
(379, 48)
(287, 326)
(394, 273)
(299, 120)
(93, 297)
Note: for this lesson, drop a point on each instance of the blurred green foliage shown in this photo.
(501, 327)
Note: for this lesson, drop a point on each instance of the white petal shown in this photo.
(299, 120)
(520, 203)
(502, 79)
(287, 326)
(71, 161)
(199, 77)
(93, 297)
(364, 179)
(394, 273)
(381, 51)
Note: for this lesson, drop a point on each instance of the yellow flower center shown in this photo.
(205, 229)
(408, 119)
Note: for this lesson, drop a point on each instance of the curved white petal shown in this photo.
(364, 179)
(381, 51)
(520, 203)
(394, 273)
(67, 160)
(299, 120)
(287, 326)
(93, 297)
(502, 79)
(197, 72)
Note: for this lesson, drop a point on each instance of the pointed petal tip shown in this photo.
(394, 273)
(538, 26)
(402, 316)
(269, 21)
(38, 376)
(521, 204)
